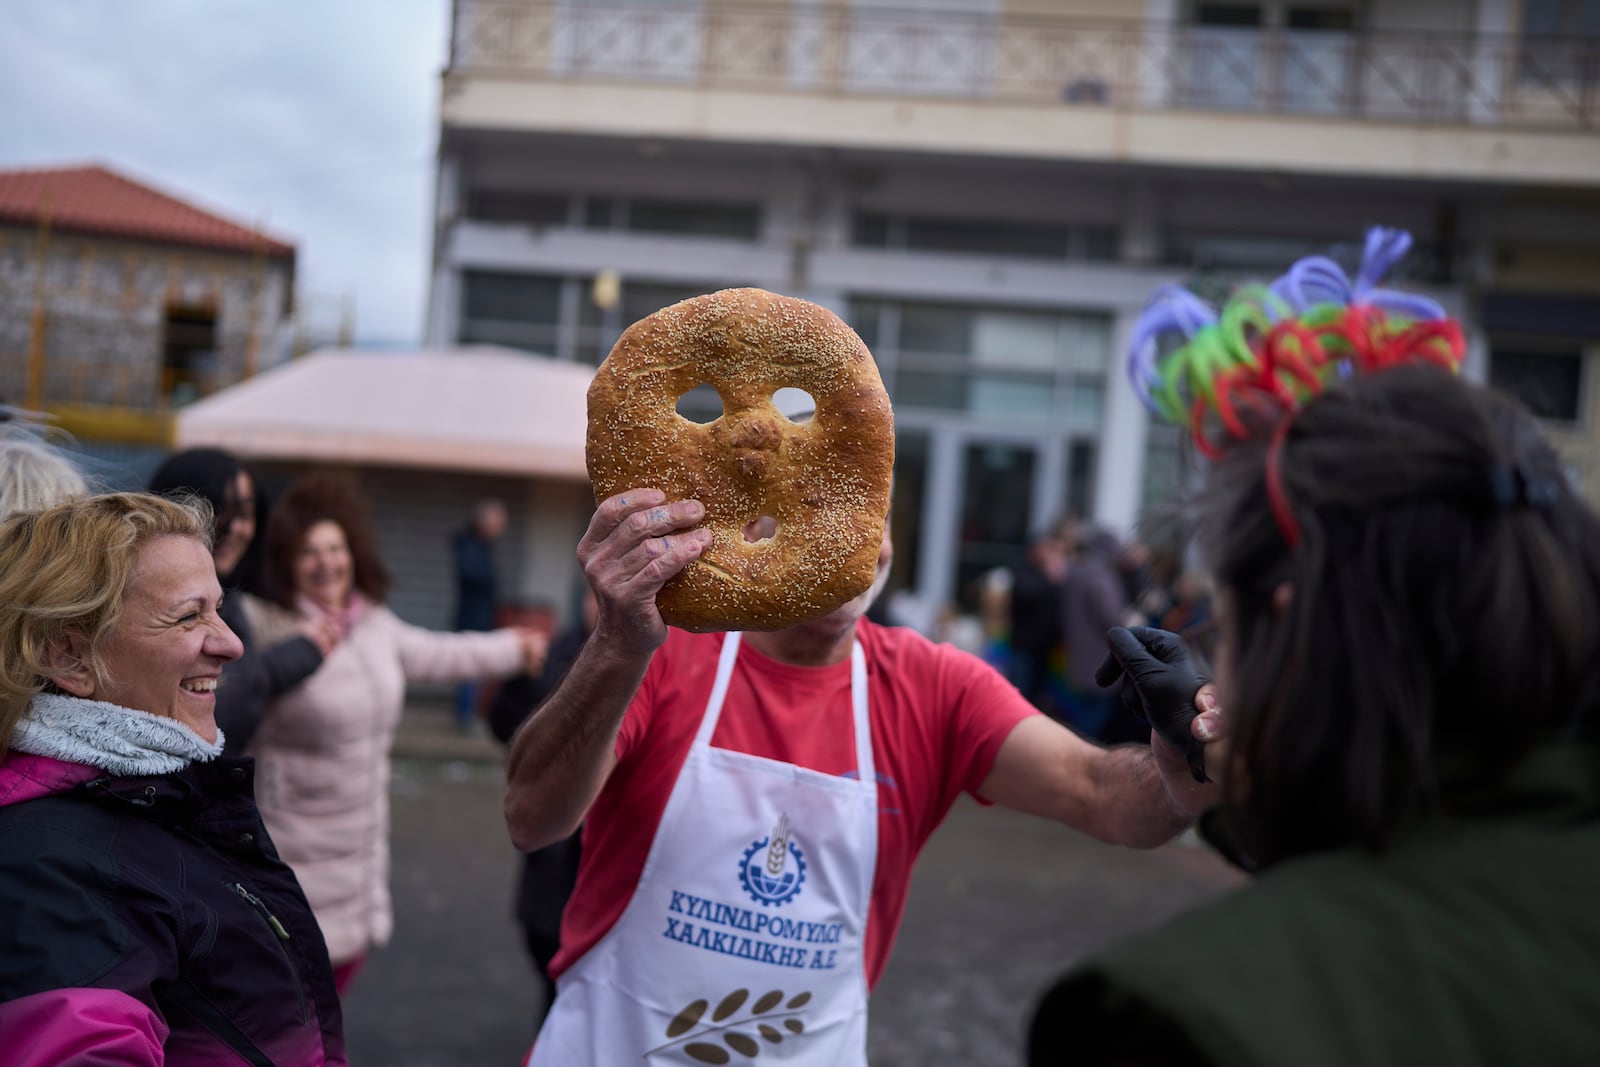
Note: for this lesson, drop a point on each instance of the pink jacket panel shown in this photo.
(81, 1028)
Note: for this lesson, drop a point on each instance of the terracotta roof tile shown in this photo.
(96, 200)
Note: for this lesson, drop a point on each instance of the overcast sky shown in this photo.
(314, 118)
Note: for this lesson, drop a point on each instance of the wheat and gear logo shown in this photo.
(773, 870)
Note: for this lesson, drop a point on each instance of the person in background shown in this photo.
(146, 918)
(33, 475)
(1092, 601)
(1036, 618)
(549, 873)
(1192, 616)
(251, 682)
(322, 752)
(477, 592)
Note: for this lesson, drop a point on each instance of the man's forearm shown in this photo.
(1133, 804)
(561, 756)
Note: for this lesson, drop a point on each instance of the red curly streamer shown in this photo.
(1277, 497)
(1293, 363)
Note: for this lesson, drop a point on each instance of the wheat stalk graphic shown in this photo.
(779, 847)
(702, 1046)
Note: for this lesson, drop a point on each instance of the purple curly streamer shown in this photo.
(1171, 308)
(1405, 305)
(1384, 248)
(1319, 280)
(1313, 280)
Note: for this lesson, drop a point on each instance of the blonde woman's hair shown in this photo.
(63, 571)
(33, 474)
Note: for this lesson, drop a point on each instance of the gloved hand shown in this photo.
(1158, 685)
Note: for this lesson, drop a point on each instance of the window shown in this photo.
(1548, 379)
(1164, 459)
(871, 230)
(908, 492)
(528, 209)
(1009, 363)
(1559, 38)
(738, 222)
(934, 328)
(863, 316)
(1227, 15)
(599, 329)
(1209, 250)
(1080, 478)
(999, 238)
(994, 237)
(188, 352)
(1560, 18)
(518, 310)
(640, 299)
(996, 499)
(1271, 56)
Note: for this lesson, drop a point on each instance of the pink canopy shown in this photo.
(476, 408)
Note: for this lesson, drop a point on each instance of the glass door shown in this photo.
(997, 483)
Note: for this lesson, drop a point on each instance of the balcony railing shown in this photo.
(1410, 77)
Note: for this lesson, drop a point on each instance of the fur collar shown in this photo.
(119, 740)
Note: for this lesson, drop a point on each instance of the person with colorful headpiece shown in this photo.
(1409, 673)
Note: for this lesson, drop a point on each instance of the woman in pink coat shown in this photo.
(322, 755)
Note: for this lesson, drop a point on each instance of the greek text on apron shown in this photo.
(745, 934)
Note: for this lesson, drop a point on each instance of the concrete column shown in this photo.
(1141, 223)
(1049, 485)
(1119, 474)
(444, 295)
(1162, 23)
(1494, 25)
(941, 511)
(1475, 365)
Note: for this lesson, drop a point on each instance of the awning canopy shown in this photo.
(476, 408)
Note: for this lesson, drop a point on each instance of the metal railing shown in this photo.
(1400, 76)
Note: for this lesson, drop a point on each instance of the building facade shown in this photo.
(119, 303)
(988, 191)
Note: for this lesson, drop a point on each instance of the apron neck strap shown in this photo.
(858, 702)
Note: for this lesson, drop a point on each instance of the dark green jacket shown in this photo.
(1473, 942)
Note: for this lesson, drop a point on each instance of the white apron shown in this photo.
(745, 935)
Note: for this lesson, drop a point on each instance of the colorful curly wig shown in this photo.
(1245, 371)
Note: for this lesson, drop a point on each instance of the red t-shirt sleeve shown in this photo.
(984, 709)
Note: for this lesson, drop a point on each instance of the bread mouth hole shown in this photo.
(759, 530)
(700, 405)
(796, 405)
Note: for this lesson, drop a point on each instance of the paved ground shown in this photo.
(1000, 903)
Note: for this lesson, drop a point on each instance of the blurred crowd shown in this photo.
(1042, 622)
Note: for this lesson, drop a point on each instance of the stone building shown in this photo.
(120, 303)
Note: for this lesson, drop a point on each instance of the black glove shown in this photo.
(1158, 686)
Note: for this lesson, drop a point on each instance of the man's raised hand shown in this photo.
(635, 543)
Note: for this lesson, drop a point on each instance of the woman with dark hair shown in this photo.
(254, 680)
(322, 754)
(1409, 667)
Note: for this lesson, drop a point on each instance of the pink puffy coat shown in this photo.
(322, 759)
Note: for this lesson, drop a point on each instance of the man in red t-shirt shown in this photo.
(752, 805)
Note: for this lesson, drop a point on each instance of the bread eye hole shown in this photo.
(763, 529)
(702, 404)
(796, 405)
